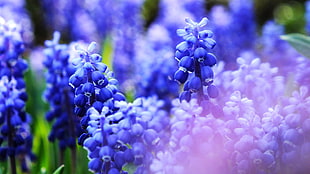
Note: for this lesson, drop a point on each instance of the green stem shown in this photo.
(72, 132)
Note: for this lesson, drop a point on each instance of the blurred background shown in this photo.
(90, 20)
(290, 13)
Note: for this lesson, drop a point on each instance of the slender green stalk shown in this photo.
(72, 133)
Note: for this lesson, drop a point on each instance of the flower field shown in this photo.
(154, 87)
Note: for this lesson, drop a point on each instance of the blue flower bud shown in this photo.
(19, 140)
(210, 60)
(19, 104)
(95, 58)
(191, 39)
(181, 76)
(244, 144)
(98, 105)
(80, 111)
(82, 138)
(289, 157)
(181, 32)
(151, 138)
(194, 84)
(209, 43)
(179, 55)
(88, 89)
(205, 34)
(137, 129)
(291, 139)
(124, 136)
(75, 81)
(114, 171)
(84, 121)
(206, 75)
(106, 153)
(80, 100)
(183, 46)
(119, 96)
(104, 94)
(293, 120)
(119, 159)
(212, 91)
(90, 144)
(200, 54)
(129, 156)
(112, 140)
(268, 159)
(187, 63)
(185, 95)
(256, 156)
(95, 164)
(138, 149)
(99, 79)
(15, 120)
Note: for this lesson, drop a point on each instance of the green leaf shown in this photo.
(59, 170)
(107, 53)
(298, 41)
(130, 168)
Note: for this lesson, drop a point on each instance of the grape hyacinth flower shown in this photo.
(171, 18)
(275, 50)
(195, 143)
(154, 66)
(257, 80)
(128, 26)
(243, 25)
(94, 85)
(128, 137)
(15, 135)
(234, 30)
(195, 61)
(15, 10)
(59, 95)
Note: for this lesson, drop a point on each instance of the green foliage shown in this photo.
(107, 53)
(300, 42)
(59, 170)
(130, 168)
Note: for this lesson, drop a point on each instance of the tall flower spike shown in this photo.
(94, 86)
(15, 135)
(195, 61)
(59, 95)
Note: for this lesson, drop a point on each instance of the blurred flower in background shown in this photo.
(241, 104)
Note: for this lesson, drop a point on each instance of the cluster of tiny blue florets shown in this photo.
(94, 85)
(59, 94)
(195, 61)
(15, 135)
(130, 136)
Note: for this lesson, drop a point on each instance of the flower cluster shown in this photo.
(94, 85)
(257, 80)
(195, 142)
(195, 61)
(153, 74)
(15, 135)
(59, 94)
(130, 136)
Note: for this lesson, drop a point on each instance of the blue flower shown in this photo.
(127, 136)
(58, 94)
(194, 60)
(15, 134)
